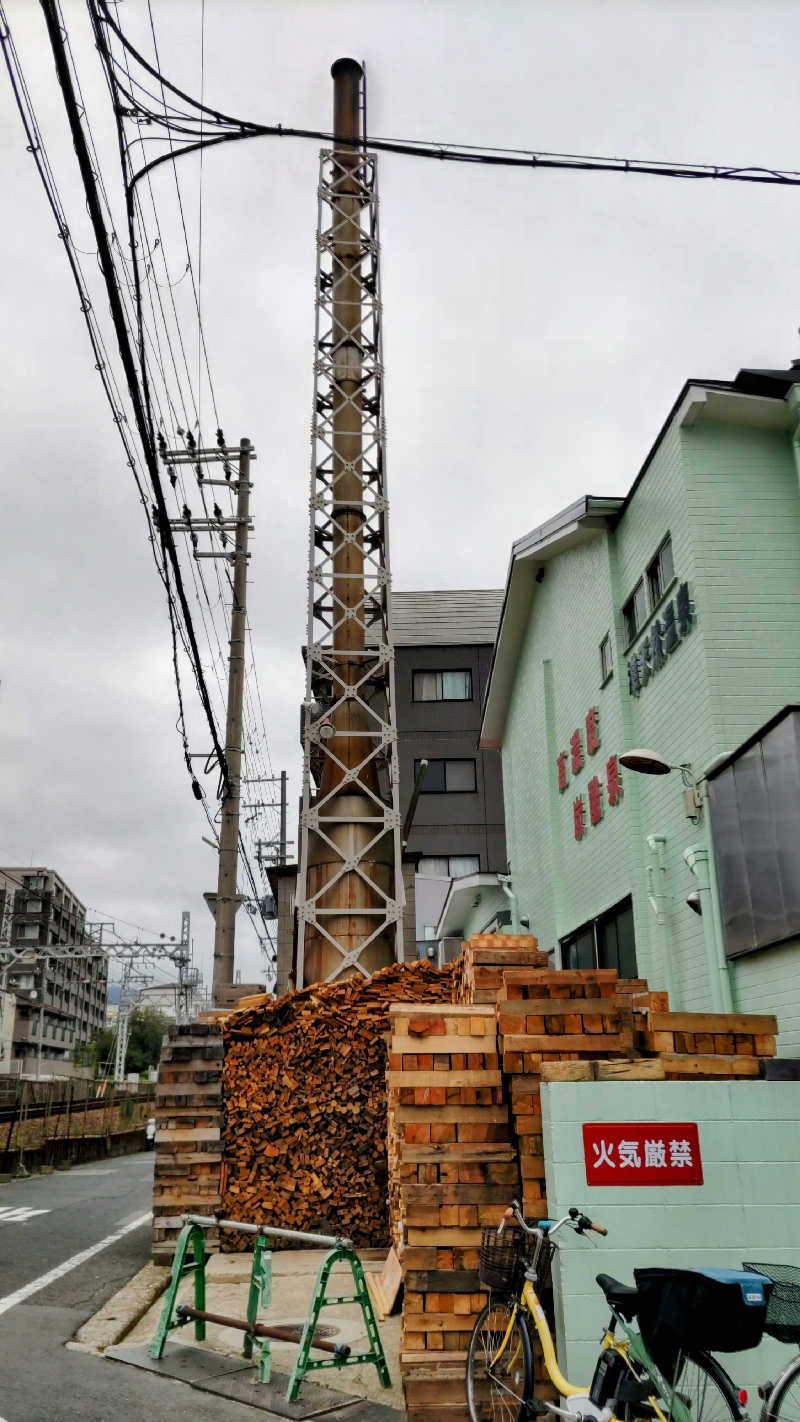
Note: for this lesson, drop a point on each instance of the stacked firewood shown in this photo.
(304, 1083)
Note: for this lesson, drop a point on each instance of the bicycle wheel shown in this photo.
(783, 1403)
(705, 1387)
(498, 1392)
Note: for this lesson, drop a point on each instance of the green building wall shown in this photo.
(746, 1208)
(727, 494)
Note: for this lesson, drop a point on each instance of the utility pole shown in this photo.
(226, 903)
(282, 845)
(350, 887)
(227, 899)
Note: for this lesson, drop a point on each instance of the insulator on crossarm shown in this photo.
(218, 513)
(186, 513)
(220, 440)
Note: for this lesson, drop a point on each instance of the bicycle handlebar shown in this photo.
(574, 1218)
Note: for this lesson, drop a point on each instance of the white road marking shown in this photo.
(20, 1295)
(16, 1214)
(83, 1172)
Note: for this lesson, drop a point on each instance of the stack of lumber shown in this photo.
(455, 1170)
(550, 1016)
(562, 1015)
(704, 1044)
(486, 956)
(305, 1104)
(188, 1146)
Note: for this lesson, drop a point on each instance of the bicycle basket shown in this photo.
(504, 1258)
(683, 1310)
(783, 1309)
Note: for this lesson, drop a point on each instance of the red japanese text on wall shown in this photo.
(588, 807)
(642, 1153)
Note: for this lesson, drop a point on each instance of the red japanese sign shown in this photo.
(642, 1153)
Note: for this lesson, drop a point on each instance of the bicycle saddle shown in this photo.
(622, 1297)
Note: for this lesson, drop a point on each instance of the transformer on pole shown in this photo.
(350, 887)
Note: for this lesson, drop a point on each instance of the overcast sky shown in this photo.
(538, 326)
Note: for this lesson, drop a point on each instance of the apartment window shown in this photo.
(33, 906)
(634, 613)
(33, 881)
(29, 930)
(447, 777)
(660, 573)
(448, 866)
(442, 686)
(604, 942)
(606, 658)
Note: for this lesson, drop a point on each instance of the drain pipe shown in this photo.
(698, 858)
(504, 881)
(657, 898)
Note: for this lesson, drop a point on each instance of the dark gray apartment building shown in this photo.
(53, 1002)
(443, 647)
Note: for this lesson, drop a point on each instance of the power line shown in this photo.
(192, 125)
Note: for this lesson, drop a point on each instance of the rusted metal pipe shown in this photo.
(263, 1330)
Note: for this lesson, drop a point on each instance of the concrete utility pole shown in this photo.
(228, 900)
(349, 883)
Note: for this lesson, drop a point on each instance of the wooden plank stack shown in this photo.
(486, 956)
(306, 1105)
(455, 1170)
(188, 1147)
(549, 1016)
(705, 1044)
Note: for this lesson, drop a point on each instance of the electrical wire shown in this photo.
(191, 126)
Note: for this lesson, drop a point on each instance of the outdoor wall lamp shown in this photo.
(649, 762)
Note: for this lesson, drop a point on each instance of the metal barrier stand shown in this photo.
(190, 1258)
(320, 1300)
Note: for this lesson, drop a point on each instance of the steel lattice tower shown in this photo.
(350, 896)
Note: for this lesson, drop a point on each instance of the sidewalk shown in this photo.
(352, 1393)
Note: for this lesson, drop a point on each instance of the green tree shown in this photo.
(146, 1028)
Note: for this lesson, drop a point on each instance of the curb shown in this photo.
(123, 1310)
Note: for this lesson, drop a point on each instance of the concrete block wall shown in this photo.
(745, 1209)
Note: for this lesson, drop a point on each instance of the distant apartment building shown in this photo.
(58, 1001)
(443, 649)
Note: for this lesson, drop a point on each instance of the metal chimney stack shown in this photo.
(349, 899)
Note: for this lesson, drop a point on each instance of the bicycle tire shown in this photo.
(783, 1403)
(710, 1392)
(507, 1395)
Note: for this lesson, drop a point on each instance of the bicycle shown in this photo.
(682, 1383)
(781, 1399)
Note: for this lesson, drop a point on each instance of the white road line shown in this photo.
(20, 1295)
(18, 1214)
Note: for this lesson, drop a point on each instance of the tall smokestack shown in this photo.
(350, 884)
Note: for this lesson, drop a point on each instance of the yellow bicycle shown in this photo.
(685, 1385)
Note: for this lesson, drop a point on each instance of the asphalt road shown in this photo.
(44, 1223)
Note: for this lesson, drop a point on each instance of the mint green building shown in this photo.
(667, 620)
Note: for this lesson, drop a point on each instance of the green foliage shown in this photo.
(145, 1030)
